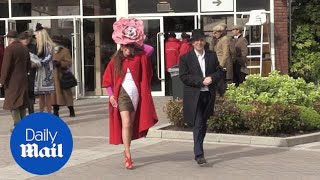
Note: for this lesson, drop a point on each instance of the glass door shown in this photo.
(77, 57)
(153, 28)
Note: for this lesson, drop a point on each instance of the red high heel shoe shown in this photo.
(127, 161)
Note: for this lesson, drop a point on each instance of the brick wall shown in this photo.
(281, 35)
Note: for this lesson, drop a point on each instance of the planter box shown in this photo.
(158, 132)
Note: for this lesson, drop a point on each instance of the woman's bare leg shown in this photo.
(48, 103)
(41, 102)
(127, 119)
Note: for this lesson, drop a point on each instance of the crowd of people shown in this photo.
(32, 66)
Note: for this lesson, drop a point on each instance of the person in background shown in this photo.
(14, 77)
(26, 38)
(186, 45)
(147, 48)
(62, 62)
(1, 58)
(224, 51)
(171, 50)
(127, 79)
(199, 71)
(44, 77)
(240, 69)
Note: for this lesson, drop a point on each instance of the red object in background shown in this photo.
(171, 50)
(185, 47)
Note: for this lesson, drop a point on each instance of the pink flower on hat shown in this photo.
(127, 31)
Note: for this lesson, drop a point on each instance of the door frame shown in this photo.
(160, 55)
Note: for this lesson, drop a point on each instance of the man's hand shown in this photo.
(207, 81)
(113, 101)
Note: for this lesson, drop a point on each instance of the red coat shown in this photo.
(172, 46)
(146, 117)
(184, 48)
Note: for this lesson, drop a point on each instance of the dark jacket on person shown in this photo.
(32, 73)
(241, 47)
(14, 76)
(191, 75)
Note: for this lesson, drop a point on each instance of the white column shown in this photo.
(272, 43)
(122, 8)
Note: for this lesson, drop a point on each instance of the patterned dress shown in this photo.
(44, 76)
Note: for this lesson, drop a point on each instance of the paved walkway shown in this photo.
(94, 158)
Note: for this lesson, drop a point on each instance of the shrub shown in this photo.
(245, 107)
(310, 117)
(274, 89)
(272, 119)
(227, 118)
(306, 52)
(316, 106)
(174, 109)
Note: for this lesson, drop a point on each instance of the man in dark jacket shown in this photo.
(26, 38)
(14, 77)
(199, 71)
(240, 69)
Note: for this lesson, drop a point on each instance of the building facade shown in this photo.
(88, 26)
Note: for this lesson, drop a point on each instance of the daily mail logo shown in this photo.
(41, 143)
(32, 150)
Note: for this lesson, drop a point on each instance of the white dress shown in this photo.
(130, 87)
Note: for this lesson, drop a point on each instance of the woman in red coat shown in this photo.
(128, 82)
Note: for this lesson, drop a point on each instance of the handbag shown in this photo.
(68, 80)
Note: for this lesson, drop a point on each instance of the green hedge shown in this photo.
(272, 105)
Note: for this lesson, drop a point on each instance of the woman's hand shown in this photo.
(113, 101)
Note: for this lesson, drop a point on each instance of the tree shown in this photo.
(305, 60)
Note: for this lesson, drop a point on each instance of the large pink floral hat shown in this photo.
(127, 31)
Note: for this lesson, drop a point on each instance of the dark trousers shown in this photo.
(1, 92)
(200, 125)
(168, 84)
(31, 105)
(238, 76)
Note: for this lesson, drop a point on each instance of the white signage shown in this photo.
(216, 5)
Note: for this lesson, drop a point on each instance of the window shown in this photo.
(45, 8)
(4, 13)
(99, 7)
(248, 5)
(162, 6)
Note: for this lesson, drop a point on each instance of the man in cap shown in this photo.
(240, 69)
(14, 77)
(225, 51)
(199, 71)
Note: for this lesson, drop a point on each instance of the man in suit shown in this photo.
(240, 69)
(199, 71)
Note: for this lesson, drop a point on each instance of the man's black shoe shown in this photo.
(201, 161)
